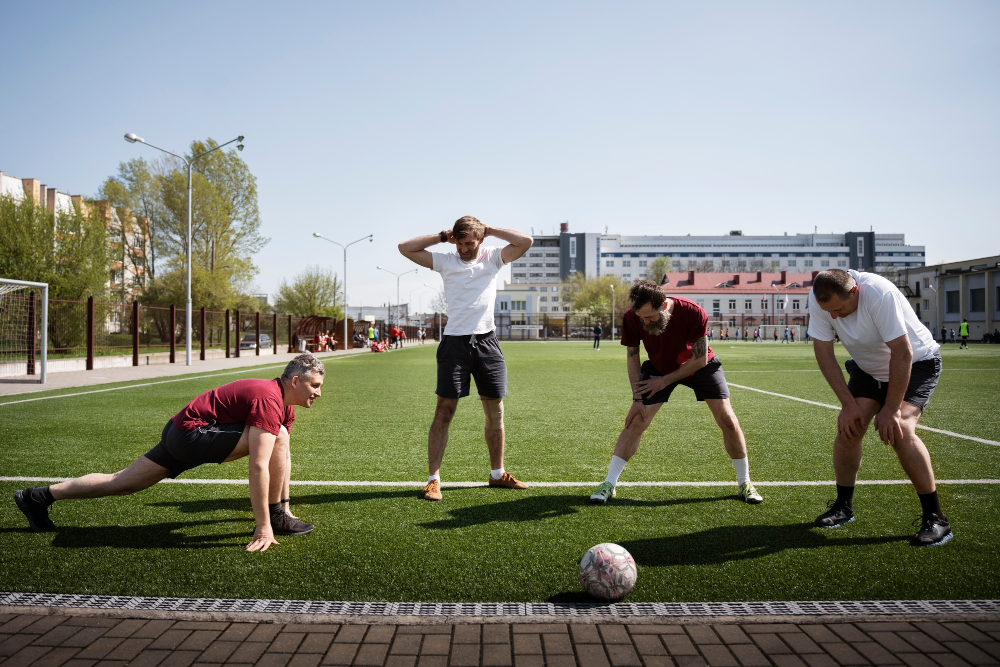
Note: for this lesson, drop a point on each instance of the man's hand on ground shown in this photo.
(850, 421)
(889, 424)
(262, 539)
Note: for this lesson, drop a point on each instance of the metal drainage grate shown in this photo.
(458, 609)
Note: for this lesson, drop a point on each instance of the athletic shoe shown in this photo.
(604, 492)
(749, 495)
(934, 531)
(36, 512)
(283, 523)
(433, 490)
(838, 514)
(507, 481)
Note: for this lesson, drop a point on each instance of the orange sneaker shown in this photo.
(433, 490)
(507, 481)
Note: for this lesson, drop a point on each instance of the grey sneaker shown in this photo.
(934, 531)
(837, 514)
(749, 495)
(603, 493)
(283, 523)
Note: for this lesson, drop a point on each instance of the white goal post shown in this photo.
(24, 326)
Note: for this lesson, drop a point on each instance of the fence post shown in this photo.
(90, 333)
(291, 347)
(229, 325)
(274, 332)
(31, 332)
(135, 332)
(236, 349)
(257, 333)
(566, 326)
(203, 320)
(173, 333)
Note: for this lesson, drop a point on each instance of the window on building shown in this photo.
(544, 309)
(609, 262)
(927, 283)
(748, 304)
(807, 262)
(824, 262)
(716, 310)
(861, 247)
(518, 305)
(927, 304)
(543, 289)
(780, 304)
(977, 300)
(951, 301)
(626, 262)
(795, 304)
(504, 306)
(555, 298)
(626, 275)
(732, 304)
(137, 280)
(643, 263)
(792, 262)
(543, 298)
(842, 263)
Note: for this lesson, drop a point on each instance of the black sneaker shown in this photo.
(934, 531)
(837, 514)
(37, 513)
(283, 523)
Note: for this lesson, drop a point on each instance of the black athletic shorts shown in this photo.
(182, 450)
(924, 377)
(478, 356)
(707, 382)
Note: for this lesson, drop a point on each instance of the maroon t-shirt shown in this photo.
(688, 324)
(252, 402)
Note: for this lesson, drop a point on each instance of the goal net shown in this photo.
(24, 320)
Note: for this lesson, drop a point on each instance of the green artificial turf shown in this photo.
(565, 409)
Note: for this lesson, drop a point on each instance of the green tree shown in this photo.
(315, 291)
(592, 296)
(137, 189)
(657, 268)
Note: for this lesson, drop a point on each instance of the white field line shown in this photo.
(249, 369)
(834, 407)
(816, 370)
(543, 485)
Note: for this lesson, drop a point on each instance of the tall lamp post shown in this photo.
(612, 313)
(345, 247)
(398, 276)
(132, 138)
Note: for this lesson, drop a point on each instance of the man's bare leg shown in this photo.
(494, 433)
(736, 446)
(847, 455)
(142, 474)
(437, 438)
(912, 452)
(636, 422)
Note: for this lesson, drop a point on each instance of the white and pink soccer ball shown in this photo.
(608, 571)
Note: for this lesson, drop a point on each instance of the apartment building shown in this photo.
(943, 295)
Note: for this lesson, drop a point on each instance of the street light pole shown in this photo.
(612, 313)
(398, 276)
(132, 138)
(345, 247)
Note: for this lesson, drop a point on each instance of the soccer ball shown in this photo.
(607, 571)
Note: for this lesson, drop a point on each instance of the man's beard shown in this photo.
(659, 326)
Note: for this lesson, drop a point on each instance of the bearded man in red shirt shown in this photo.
(674, 332)
(243, 418)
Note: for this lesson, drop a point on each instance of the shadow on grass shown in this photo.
(537, 508)
(730, 543)
(243, 504)
(155, 536)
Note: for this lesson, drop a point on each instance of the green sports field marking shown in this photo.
(543, 485)
(834, 407)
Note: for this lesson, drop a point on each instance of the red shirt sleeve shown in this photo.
(266, 414)
(699, 325)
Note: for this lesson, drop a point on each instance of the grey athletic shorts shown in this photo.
(182, 450)
(477, 356)
(707, 382)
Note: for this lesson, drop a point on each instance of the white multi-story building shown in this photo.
(943, 295)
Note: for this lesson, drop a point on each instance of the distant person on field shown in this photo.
(469, 346)
(243, 418)
(952, 335)
(963, 331)
(673, 332)
(371, 335)
(785, 339)
(894, 366)
(793, 334)
(597, 336)
(402, 337)
(776, 334)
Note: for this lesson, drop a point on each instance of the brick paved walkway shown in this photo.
(78, 641)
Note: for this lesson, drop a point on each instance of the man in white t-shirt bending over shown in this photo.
(469, 346)
(895, 365)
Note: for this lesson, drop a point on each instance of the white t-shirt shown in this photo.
(882, 315)
(470, 288)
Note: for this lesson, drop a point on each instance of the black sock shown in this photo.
(845, 494)
(41, 494)
(275, 507)
(930, 504)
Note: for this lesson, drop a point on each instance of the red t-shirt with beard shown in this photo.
(688, 324)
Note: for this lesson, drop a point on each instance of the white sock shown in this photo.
(496, 474)
(433, 478)
(742, 467)
(615, 470)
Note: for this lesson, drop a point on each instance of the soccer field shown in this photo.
(692, 539)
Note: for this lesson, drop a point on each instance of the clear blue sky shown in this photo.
(647, 118)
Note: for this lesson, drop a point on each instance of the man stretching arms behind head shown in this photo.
(469, 346)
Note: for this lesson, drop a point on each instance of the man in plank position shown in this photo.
(894, 366)
(243, 418)
(674, 332)
(469, 346)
